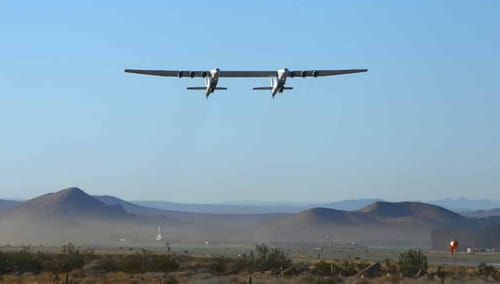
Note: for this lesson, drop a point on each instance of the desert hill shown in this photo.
(378, 213)
(71, 215)
(424, 212)
(378, 224)
(67, 203)
(325, 216)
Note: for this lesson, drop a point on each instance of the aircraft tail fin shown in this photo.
(263, 88)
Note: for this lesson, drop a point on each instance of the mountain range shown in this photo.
(73, 215)
(255, 207)
(466, 207)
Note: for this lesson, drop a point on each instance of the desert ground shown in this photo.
(219, 263)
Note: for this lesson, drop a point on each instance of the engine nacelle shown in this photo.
(315, 74)
(291, 74)
(180, 74)
(191, 74)
(303, 74)
(204, 74)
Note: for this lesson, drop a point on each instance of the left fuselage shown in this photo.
(211, 81)
(278, 83)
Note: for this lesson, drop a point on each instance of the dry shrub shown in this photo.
(412, 262)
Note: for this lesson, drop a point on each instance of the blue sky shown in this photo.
(423, 123)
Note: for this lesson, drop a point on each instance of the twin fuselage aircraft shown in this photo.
(278, 78)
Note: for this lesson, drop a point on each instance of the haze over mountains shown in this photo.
(6, 204)
(256, 207)
(73, 215)
(466, 207)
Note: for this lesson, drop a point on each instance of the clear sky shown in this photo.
(423, 123)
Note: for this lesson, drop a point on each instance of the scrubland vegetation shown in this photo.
(264, 264)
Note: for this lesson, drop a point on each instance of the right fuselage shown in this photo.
(278, 83)
(211, 81)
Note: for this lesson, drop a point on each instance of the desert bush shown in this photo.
(412, 262)
(66, 261)
(137, 263)
(267, 258)
(107, 263)
(347, 268)
(220, 264)
(240, 264)
(263, 258)
(324, 268)
(23, 261)
(342, 268)
(486, 270)
(164, 263)
(63, 263)
(3, 263)
(69, 248)
(389, 266)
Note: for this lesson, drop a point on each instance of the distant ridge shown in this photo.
(221, 208)
(254, 208)
(381, 224)
(350, 204)
(131, 207)
(464, 204)
(482, 213)
(321, 216)
(378, 213)
(69, 202)
(418, 210)
(6, 204)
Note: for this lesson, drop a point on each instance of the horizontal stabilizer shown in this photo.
(221, 88)
(288, 88)
(263, 88)
(196, 88)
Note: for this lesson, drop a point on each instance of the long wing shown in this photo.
(188, 73)
(244, 74)
(168, 73)
(297, 73)
(320, 73)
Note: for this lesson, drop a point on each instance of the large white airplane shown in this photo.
(278, 78)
